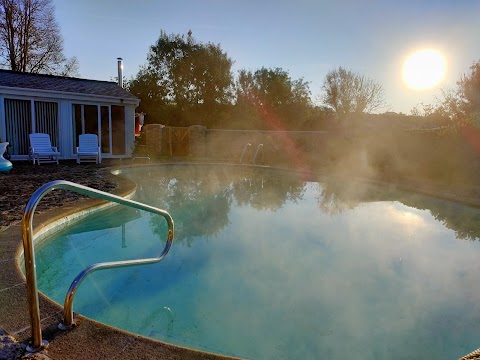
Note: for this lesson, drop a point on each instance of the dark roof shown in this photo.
(15, 79)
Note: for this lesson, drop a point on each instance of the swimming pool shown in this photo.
(267, 264)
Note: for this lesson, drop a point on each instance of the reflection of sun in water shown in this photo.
(424, 69)
(408, 220)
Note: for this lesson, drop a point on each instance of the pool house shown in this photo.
(65, 108)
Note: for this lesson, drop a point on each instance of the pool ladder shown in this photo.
(29, 255)
(248, 145)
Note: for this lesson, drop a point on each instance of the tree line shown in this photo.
(186, 82)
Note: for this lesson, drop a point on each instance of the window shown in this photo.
(20, 123)
(18, 119)
(46, 120)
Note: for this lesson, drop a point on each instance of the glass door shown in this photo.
(106, 121)
(118, 130)
(105, 130)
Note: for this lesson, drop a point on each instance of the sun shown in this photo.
(424, 69)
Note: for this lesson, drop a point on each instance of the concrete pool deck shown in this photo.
(92, 340)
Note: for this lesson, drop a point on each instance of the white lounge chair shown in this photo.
(41, 149)
(88, 149)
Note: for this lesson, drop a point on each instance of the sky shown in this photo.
(307, 38)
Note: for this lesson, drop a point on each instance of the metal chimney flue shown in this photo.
(120, 71)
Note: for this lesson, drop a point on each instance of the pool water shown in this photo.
(269, 265)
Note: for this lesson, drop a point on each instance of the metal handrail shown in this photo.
(260, 146)
(29, 254)
(243, 152)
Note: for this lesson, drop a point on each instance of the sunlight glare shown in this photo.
(424, 69)
(407, 219)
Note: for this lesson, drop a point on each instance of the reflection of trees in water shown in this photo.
(465, 221)
(266, 190)
(335, 197)
(199, 207)
(200, 201)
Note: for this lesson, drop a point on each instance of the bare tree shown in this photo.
(30, 39)
(349, 93)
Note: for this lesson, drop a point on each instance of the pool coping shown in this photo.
(94, 340)
(90, 340)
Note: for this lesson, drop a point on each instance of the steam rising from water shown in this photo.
(266, 265)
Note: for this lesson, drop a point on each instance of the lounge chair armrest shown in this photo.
(54, 148)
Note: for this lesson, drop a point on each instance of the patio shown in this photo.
(19, 184)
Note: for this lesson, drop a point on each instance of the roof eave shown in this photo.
(68, 95)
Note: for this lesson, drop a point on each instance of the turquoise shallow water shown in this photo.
(269, 265)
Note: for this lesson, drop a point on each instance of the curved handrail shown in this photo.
(260, 146)
(243, 152)
(29, 254)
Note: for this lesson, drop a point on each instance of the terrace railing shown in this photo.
(29, 255)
